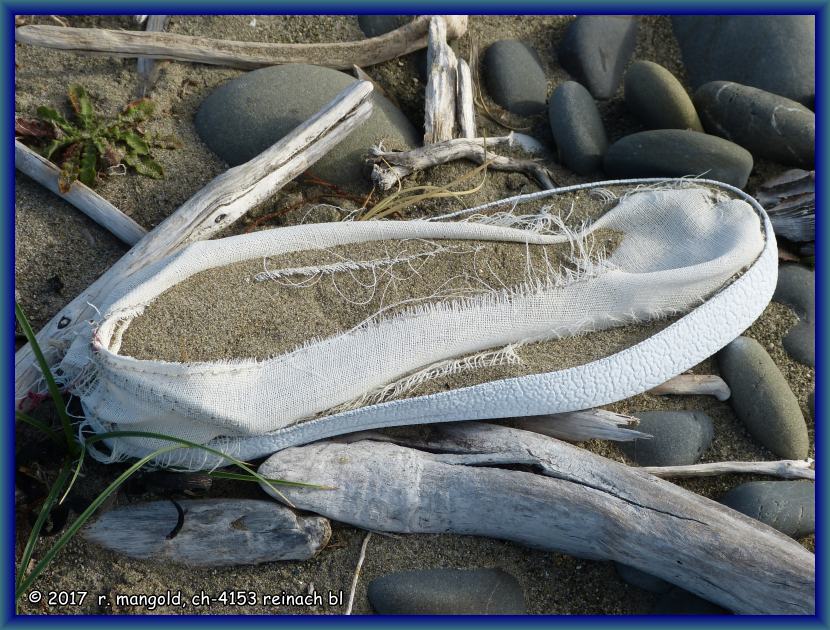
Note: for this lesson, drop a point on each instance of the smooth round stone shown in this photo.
(681, 602)
(762, 399)
(596, 49)
(797, 289)
(374, 25)
(788, 506)
(245, 116)
(678, 153)
(773, 52)
(658, 99)
(514, 76)
(447, 592)
(679, 438)
(577, 128)
(768, 125)
(641, 579)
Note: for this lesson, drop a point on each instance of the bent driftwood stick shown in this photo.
(246, 55)
(211, 210)
(79, 195)
(210, 532)
(391, 166)
(784, 468)
(582, 504)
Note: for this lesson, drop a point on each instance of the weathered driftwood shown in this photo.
(582, 504)
(785, 468)
(790, 202)
(82, 197)
(247, 55)
(694, 384)
(439, 107)
(148, 68)
(464, 101)
(210, 532)
(212, 209)
(391, 166)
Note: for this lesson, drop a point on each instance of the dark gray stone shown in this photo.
(679, 438)
(514, 76)
(658, 99)
(677, 153)
(768, 125)
(447, 592)
(773, 52)
(641, 579)
(596, 49)
(245, 116)
(762, 398)
(681, 602)
(374, 25)
(797, 289)
(788, 506)
(577, 128)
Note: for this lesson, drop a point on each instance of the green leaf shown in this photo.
(137, 111)
(82, 105)
(69, 167)
(49, 150)
(47, 113)
(135, 142)
(144, 165)
(89, 158)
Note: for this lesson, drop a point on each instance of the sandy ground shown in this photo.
(59, 252)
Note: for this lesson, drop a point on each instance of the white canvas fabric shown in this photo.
(681, 246)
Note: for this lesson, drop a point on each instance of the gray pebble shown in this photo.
(514, 76)
(678, 153)
(596, 49)
(245, 116)
(641, 579)
(577, 128)
(788, 506)
(797, 289)
(658, 99)
(679, 438)
(762, 398)
(447, 592)
(768, 125)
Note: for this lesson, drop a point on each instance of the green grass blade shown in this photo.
(54, 391)
(48, 503)
(79, 522)
(221, 474)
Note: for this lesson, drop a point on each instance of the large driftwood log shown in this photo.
(465, 101)
(391, 166)
(439, 102)
(82, 197)
(210, 532)
(581, 504)
(212, 209)
(247, 55)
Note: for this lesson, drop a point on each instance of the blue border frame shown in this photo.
(8, 9)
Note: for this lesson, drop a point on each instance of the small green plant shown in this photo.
(89, 145)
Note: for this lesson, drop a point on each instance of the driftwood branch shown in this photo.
(212, 209)
(578, 426)
(695, 384)
(246, 55)
(82, 197)
(582, 504)
(148, 68)
(439, 114)
(465, 102)
(210, 532)
(391, 166)
(785, 468)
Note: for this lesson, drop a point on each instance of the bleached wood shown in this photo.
(391, 166)
(464, 100)
(694, 384)
(246, 55)
(785, 468)
(146, 67)
(214, 532)
(209, 211)
(578, 426)
(582, 504)
(439, 103)
(79, 195)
